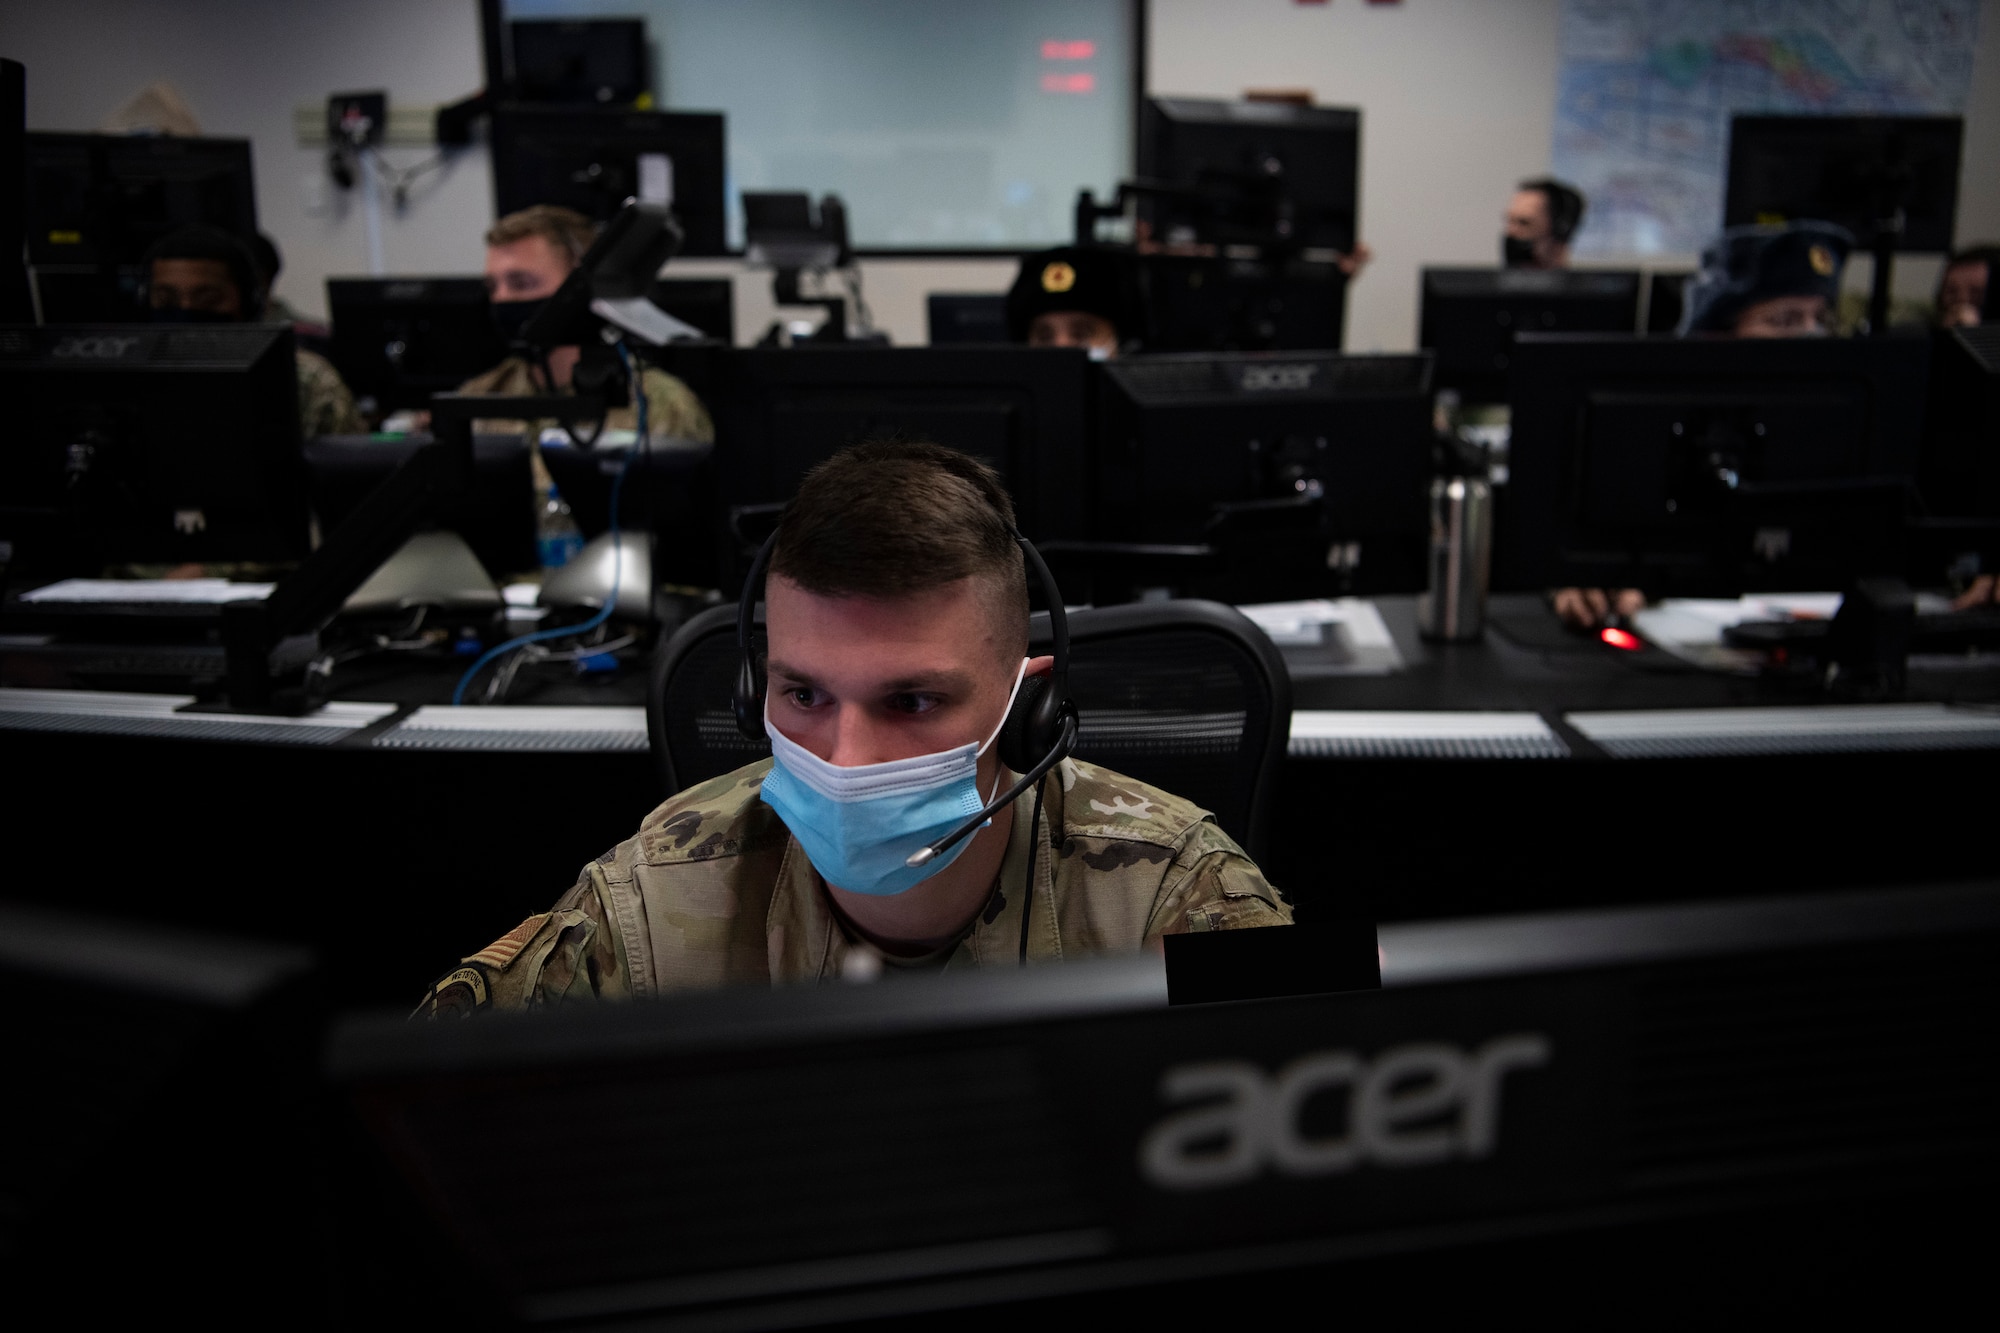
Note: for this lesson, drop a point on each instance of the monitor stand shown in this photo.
(434, 569)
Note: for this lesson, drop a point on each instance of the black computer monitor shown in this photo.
(496, 515)
(1208, 303)
(1666, 298)
(1278, 457)
(1850, 170)
(400, 340)
(95, 202)
(966, 317)
(593, 160)
(1961, 472)
(1733, 1090)
(708, 304)
(1709, 466)
(1470, 317)
(1024, 410)
(1259, 173)
(150, 444)
(579, 62)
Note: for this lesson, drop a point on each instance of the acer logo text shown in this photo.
(106, 348)
(1412, 1105)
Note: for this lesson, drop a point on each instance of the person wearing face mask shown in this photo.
(1075, 297)
(203, 275)
(1755, 282)
(1540, 220)
(896, 612)
(528, 255)
(1963, 286)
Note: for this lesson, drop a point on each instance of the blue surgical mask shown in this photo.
(860, 825)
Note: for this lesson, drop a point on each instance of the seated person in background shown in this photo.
(201, 275)
(1755, 282)
(897, 614)
(1962, 288)
(1075, 297)
(1540, 219)
(528, 255)
(1768, 282)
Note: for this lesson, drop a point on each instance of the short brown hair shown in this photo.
(564, 228)
(890, 518)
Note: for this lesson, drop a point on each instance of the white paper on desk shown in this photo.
(1350, 630)
(185, 592)
(1691, 628)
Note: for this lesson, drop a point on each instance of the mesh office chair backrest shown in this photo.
(1186, 696)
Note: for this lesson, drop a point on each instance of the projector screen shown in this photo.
(940, 125)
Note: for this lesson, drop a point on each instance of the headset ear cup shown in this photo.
(1021, 744)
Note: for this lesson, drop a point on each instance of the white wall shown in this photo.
(1458, 99)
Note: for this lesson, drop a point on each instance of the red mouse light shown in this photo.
(1619, 638)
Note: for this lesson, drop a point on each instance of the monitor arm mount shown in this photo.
(1215, 194)
(269, 645)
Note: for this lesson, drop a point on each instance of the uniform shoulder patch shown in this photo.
(503, 950)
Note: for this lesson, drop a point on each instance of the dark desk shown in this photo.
(1722, 808)
(396, 836)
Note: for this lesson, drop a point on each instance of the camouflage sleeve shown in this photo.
(325, 405)
(674, 411)
(572, 952)
(1212, 885)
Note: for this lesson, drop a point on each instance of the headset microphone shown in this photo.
(1065, 742)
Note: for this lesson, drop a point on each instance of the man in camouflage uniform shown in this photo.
(528, 255)
(896, 613)
(200, 274)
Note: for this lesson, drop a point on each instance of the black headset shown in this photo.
(1038, 734)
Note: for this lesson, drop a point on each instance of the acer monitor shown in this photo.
(1710, 466)
(94, 203)
(1854, 171)
(1269, 174)
(1724, 1088)
(1309, 472)
(579, 62)
(150, 444)
(397, 341)
(1471, 316)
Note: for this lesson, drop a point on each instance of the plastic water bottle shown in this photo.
(557, 537)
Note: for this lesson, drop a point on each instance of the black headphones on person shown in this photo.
(1040, 729)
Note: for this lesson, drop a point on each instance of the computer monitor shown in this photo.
(1252, 173)
(1666, 298)
(593, 160)
(1470, 317)
(1733, 1090)
(579, 62)
(708, 304)
(966, 317)
(1961, 471)
(400, 340)
(1208, 303)
(1024, 410)
(496, 515)
(1850, 170)
(1310, 471)
(1709, 466)
(150, 444)
(96, 202)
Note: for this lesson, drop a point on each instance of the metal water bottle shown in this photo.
(1454, 609)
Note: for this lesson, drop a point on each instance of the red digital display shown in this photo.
(1069, 83)
(1054, 50)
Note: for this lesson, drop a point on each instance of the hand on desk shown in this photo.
(1588, 608)
(1982, 591)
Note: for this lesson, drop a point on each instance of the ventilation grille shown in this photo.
(1387, 735)
(570, 730)
(1715, 733)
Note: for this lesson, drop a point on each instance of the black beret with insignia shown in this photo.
(1748, 265)
(1097, 281)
